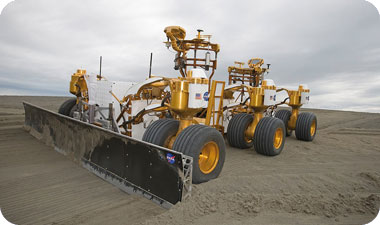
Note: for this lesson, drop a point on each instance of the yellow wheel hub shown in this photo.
(208, 157)
(278, 138)
(313, 127)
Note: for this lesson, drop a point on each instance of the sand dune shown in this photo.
(333, 180)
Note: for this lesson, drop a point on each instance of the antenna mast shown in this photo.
(100, 69)
(150, 66)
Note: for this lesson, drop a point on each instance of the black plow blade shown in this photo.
(136, 167)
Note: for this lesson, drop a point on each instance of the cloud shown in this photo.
(42, 42)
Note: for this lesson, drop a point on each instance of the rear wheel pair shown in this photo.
(205, 144)
(306, 125)
(268, 139)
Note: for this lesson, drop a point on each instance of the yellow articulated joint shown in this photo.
(250, 132)
(295, 103)
(183, 123)
(293, 118)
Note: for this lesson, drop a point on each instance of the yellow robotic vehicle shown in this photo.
(249, 126)
(257, 98)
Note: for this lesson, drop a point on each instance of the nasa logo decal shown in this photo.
(170, 157)
(205, 96)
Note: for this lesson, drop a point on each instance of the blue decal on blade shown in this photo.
(171, 158)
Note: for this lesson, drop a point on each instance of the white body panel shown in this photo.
(196, 95)
(269, 97)
(305, 97)
(100, 95)
(118, 88)
(92, 85)
(133, 89)
(139, 129)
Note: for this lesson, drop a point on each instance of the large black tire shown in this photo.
(160, 132)
(306, 126)
(192, 140)
(236, 131)
(284, 115)
(264, 139)
(67, 107)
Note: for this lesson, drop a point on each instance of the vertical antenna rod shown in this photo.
(150, 66)
(100, 68)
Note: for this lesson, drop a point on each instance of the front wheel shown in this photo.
(269, 137)
(206, 146)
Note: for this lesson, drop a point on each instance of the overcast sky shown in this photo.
(331, 45)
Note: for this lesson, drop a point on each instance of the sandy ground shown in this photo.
(333, 180)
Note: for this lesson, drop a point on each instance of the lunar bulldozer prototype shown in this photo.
(153, 138)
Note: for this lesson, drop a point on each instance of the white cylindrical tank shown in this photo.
(198, 73)
(198, 93)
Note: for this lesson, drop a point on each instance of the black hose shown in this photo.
(245, 101)
(164, 99)
(133, 118)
